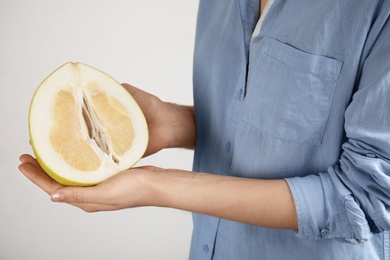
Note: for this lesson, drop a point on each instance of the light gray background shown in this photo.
(146, 43)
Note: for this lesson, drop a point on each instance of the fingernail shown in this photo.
(57, 197)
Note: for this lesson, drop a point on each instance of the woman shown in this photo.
(290, 127)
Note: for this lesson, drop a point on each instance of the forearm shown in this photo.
(265, 203)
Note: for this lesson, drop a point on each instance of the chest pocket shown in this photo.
(290, 92)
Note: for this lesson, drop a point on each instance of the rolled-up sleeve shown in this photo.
(351, 201)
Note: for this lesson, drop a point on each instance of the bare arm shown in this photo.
(259, 202)
(266, 203)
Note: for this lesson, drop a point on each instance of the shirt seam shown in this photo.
(304, 71)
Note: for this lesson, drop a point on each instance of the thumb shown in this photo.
(130, 88)
(68, 196)
(89, 199)
(78, 195)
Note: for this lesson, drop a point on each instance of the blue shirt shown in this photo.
(305, 98)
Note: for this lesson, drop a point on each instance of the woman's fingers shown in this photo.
(120, 191)
(89, 199)
(80, 195)
(31, 169)
(26, 158)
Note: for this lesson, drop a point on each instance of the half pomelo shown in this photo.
(84, 126)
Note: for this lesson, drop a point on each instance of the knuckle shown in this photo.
(76, 197)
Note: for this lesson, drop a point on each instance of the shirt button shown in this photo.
(324, 232)
(205, 249)
(228, 146)
(239, 94)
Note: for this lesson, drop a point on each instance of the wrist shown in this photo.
(165, 187)
(183, 128)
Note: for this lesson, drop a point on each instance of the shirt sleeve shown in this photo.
(351, 201)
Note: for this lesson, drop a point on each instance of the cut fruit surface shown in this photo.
(84, 126)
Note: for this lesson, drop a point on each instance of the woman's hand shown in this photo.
(170, 125)
(123, 190)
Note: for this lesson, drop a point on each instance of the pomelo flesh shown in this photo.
(84, 126)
